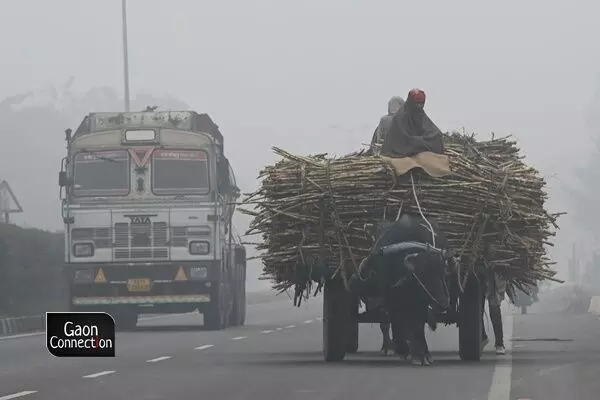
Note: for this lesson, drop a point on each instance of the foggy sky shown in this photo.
(314, 76)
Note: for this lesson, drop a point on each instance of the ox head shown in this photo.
(401, 256)
(429, 271)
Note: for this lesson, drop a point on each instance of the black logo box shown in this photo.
(93, 334)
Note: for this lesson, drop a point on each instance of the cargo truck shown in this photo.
(147, 202)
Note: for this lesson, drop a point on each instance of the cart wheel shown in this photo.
(353, 327)
(470, 321)
(335, 317)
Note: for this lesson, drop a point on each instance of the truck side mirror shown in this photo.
(63, 180)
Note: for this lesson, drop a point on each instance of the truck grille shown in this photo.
(141, 241)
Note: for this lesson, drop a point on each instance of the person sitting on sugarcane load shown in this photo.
(394, 104)
(495, 292)
(411, 131)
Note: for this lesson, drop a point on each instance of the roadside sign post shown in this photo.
(8, 202)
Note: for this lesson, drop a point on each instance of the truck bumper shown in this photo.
(162, 285)
(141, 300)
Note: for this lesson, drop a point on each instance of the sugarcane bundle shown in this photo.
(312, 211)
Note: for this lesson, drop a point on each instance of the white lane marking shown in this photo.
(290, 326)
(204, 347)
(17, 395)
(278, 329)
(267, 331)
(501, 380)
(319, 318)
(308, 321)
(239, 337)
(97, 374)
(157, 359)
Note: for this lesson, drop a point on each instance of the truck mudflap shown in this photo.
(141, 300)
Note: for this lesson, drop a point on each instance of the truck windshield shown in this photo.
(103, 173)
(178, 172)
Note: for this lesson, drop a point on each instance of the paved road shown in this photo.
(277, 355)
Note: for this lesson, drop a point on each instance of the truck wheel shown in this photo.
(352, 329)
(74, 308)
(125, 321)
(235, 316)
(243, 305)
(215, 317)
(470, 320)
(335, 315)
(213, 320)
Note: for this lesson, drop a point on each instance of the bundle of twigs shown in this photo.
(491, 208)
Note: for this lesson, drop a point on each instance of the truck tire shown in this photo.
(238, 313)
(125, 320)
(242, 319)
(213, 318)
(470, 320)
(216, 315)
(74, 308)
(335, 321)
(235, 319)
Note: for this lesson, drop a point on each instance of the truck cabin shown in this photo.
(147, 156)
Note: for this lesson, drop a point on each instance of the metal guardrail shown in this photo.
(17, 325)
(37, 323)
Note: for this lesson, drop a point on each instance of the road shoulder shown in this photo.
(556, 356)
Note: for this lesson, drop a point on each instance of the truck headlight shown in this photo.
(198, 272)
(199, 247)
(83, 250)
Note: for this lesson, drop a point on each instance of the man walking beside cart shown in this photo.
(495, 292)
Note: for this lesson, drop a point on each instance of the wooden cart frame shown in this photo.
(341, 319)
(341, 316)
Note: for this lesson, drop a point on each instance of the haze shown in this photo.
(308, 76)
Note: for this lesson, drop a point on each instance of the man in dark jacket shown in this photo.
(394, 104)
(411, 131)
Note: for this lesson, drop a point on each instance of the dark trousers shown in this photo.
(496, 317)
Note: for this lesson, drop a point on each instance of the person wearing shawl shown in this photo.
(411, 131)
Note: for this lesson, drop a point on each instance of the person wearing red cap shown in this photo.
(418, 98)
(411, 131)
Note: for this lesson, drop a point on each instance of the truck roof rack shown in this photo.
(184, 120)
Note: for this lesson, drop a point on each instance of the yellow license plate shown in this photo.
(139, 285)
